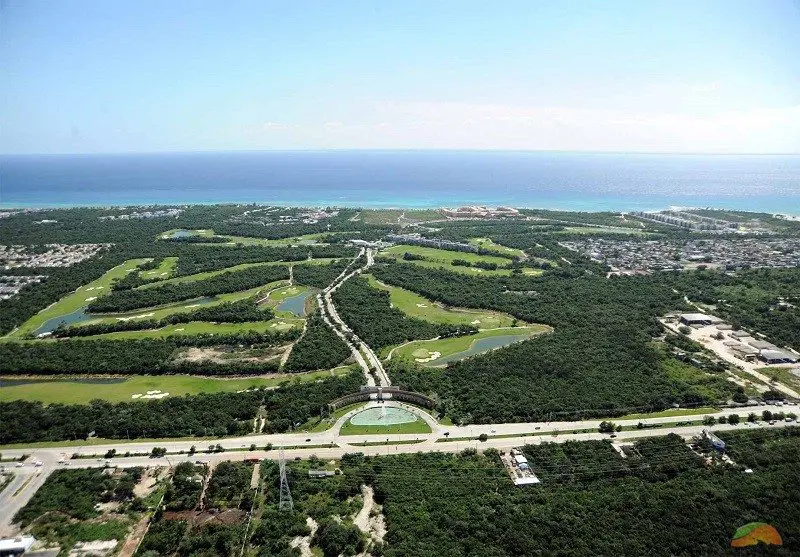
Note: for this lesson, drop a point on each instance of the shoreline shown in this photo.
(373, 206)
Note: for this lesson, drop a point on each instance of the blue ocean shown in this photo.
(571, 181)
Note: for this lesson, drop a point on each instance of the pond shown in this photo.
(181, 234)
(384, 415)
(52, 324)
(479, 347)
(80, 314)
(295, 304)
(82, 380)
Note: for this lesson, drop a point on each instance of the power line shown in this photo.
(286, 504)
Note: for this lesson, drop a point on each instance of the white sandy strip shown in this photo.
(142, 316)
(433, 356)
(91, 298)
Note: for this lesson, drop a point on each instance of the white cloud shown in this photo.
(450, 125)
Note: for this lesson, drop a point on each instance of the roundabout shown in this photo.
(385, 418)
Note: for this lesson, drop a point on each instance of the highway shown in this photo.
(361, 351)
(442, 439)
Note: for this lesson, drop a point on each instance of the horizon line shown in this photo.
(396, 150)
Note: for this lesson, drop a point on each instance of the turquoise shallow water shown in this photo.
(385, 415)
(574, 181)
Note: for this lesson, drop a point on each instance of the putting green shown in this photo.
(442, 259)
(164, 270)
(442, 351)
(78, 299)
(123, 388)
(414, 305)
(204, 327)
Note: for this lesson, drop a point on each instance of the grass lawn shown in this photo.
(207, 274)
(280, 294)
(487, 243)
(78, 299)
(185, 306)
(165, 268)
(427, 349)
(442, 259)
(305, 239)
(169, 233)
(204, 327)
(671, 412)
(81, 390)
(248, 241)
(414, 305)
(316, 425)
(418, 426)
(784, 374)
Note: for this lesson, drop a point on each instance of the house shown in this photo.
(744, 352)
(777, 357)
(15, 546)
(761, 345)
(317, 474)
(697, 319)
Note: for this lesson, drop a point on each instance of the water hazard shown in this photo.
(479, 347)
(295, 304)
(68, 319)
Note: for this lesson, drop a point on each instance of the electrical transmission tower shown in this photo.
(286, 503)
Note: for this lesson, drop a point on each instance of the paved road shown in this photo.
(362, 352)
(502, 436)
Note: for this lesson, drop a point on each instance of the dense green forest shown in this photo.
(150, 356)
(183, 492)
(319, 276)
(369, 313)
(76, 492)
(590, 501)
(199, 415)
(598, 361)
(318, 348)
(450, 505)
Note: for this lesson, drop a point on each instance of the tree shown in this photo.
(607, 427)
(751, 417)
(336, 539)
(733, 419)
(483, 437)
(766, 415)
(709, 420)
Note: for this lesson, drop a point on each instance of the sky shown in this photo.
(85, 76)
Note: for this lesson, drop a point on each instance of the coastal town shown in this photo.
(625, 256)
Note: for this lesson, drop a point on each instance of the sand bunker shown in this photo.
(422, 305)
(142, 316)
(150, 395)
(432, 356)
(91, 298)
